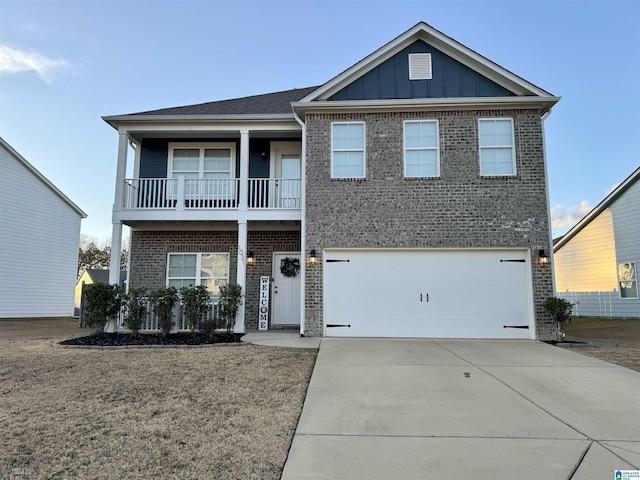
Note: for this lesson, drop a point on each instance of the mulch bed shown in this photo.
(124, 339)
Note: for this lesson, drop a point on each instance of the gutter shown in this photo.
(303, 243)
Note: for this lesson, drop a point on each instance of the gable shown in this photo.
(450, 79)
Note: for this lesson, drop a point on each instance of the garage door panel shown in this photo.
(427, 293)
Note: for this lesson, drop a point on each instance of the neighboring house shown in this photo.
(39, 240)
(410, 189)
(90, 276)
(596, 262)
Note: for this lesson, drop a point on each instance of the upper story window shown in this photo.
(210, 160)
(347, 150)
(497, 148)
(421, 149)
(207, 168)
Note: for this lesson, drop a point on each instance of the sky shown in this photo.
(66, 63)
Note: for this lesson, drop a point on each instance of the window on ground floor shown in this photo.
(208, 269)
(628, 280)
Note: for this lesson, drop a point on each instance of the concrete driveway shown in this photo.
(481, 409)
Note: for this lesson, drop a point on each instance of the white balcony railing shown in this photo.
(151, 325)
(210, 193)
(274, 193)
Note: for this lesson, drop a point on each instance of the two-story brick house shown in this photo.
(410, 190)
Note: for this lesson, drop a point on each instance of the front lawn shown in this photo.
(215, 412)
(614, 340)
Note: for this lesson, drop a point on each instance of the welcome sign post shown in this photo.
(263, 309)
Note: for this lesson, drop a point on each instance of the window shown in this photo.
(208, 269)
(421, 149)
(347, 150)
(212, 162)
(627, 280)
(497, 151)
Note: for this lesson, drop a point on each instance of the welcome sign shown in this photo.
(263, 308)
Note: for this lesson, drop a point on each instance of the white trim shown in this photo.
(404, 147)
(425, 104)
(303, 225)
(364, 148)
(502, 147)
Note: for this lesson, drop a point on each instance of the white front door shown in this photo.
(288, 171)
(286, 290)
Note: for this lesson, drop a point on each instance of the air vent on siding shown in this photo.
(419, 66)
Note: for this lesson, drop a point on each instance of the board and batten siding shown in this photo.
(586, 266)
(39, 242)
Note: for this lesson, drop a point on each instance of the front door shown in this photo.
(287, 171)
(286, 289)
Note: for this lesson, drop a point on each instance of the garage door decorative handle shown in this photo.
(516, 326)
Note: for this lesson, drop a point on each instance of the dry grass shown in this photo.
(217, 412)
(614, 340)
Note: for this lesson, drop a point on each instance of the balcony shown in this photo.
(209, 199)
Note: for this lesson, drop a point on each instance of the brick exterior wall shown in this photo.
(460, 209)
(149, 251)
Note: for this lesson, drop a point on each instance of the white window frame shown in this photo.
(363, 150)
(633, 280)
(202, 147)
(512, 147)
(436, 148)
(198, 278)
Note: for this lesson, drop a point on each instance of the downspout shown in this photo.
(303, 243)
(546, 176)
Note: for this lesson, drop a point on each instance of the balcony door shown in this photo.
(286, 170)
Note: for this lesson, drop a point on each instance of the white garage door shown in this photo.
(427, 293)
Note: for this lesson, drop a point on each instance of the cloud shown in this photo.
(14, 61)
(563, 218)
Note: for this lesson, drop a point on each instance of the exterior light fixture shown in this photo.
(250, 258)
(543, 257)
(313, 258)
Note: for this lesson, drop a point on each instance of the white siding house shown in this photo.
(39, 239)
(596, 262)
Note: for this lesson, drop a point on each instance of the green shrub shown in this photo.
(135, 309)
(559, 309)
(162, 301)
(101, 304)
(229, 303)
(196, 302)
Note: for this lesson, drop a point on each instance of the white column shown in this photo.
(244, 170)
(121, 169)
(116, 247)
(241, 272)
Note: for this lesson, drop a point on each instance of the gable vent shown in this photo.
(419, 66)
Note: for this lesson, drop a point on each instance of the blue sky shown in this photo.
(66, 63)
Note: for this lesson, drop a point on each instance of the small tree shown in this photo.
(135, 309)
(163, 300)
(101, 304)
(229, 303)
(196, 301)
(559, 310)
